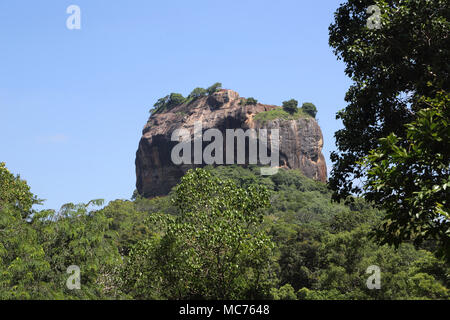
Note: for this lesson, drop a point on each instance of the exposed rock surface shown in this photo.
(301, 140)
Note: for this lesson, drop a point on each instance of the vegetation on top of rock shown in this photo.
(290, 106)
(174, 99)
(248, 101)
(251, 101)
(168, 102)
(214, 88)
(289, 111)
(280, 113)
(310, 109)
(198, 93)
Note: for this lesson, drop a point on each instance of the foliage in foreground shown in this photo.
(215, 236)
(392, 68)
(396, 124)
(411, 179)
(212, 249)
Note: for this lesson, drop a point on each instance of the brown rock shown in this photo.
(301, 140)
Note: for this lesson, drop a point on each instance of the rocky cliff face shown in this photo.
(300, 140)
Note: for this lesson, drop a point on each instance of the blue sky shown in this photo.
(73, 102)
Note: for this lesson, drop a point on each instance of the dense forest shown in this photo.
(222, 233)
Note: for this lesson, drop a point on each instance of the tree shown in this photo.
(23, 268)
(410, 178)
(175, 99)
(299, 256)
(128, 222)
(391, 68)
(78, 235)
(290, 106)
(15, 193)
(286, 292)
(310, 109)
(168, 102)
(160, 105)
(214, 88)
(215, 237)
(213, 248)
(251, 101)
(198, 93)
(395, 136)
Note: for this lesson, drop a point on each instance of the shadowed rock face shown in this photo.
(301, 140)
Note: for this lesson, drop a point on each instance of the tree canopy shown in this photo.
(290, 106)
(223, 233)
(392, 67)
(310, 109)
(394, 144)
(214, 88)
(213, 248)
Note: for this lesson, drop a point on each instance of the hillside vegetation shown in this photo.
(223, 233)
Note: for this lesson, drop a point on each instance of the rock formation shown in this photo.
(301, 140)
